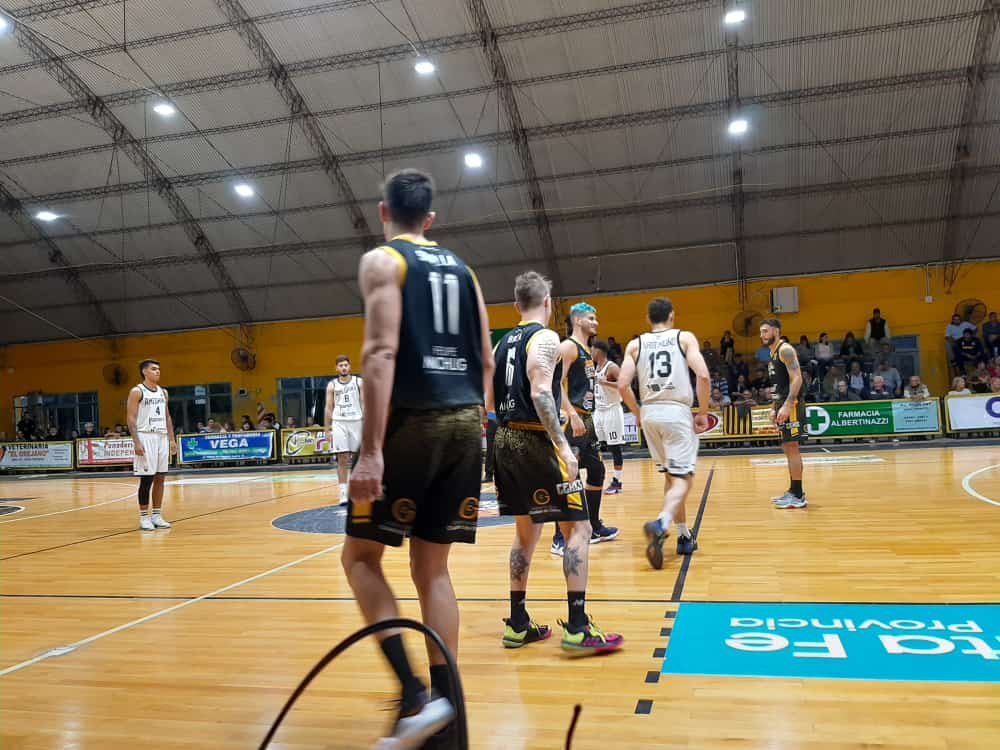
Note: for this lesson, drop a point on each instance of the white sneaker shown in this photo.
(791, 501)
(146, 523)
(160, 522)
(412, 731)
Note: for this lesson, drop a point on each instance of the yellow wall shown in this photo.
(835, 304)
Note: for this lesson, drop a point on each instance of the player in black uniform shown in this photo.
(536, 469)
(789, 408)
(578, 404)
(426, 358)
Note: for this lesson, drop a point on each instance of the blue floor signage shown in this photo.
(893, 642)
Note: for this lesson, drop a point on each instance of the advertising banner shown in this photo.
(744, 422)
(893, 642)
(305, 443)
(978, 412)
(104, 452)
(718, 432)
(226, 446)
(46, 456)
(873, 418)
(631, 430)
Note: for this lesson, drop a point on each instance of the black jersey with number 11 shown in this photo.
(439, 364)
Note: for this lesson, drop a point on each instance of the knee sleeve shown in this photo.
(145, 485)
(616, 454)
(595, 470)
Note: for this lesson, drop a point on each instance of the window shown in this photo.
(190, 404)
(301, 398)
(65, 411)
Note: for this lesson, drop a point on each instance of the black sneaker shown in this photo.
(686, 545)
(655, 537)
(603, 533)
(419, 719)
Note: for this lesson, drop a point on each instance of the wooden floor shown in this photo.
(239, 611)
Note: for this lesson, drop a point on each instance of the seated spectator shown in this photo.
(763, 396)
(893, 380)
(916, 391)
(953, 334)
(993, 367)
(958, 387)
(759, 379)
(615, 353)
(226, 427)
(719, 400)
(829, 389)
(743, 397)
(53, 434)
(991, 336)
(851, 349)
(877, 330)
(857, 381)
(738, 368)
(110, 433)
(720, 382)
(727, 347)
(709, 354)
(26, 426)
(970, 350)
(880, 391)
(884, 354)
(741, 384)
(824, 351)
(846, 394)
(995, 385)
(121, 430)
(246, 427)
(763, 355)
(89, 431)
(804, 350)
(310, 422)
(267, 422)
(212, 426)
(290, 423)
(200, 427)
(73, 435)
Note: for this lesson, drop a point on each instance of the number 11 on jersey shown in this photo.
(450, 283)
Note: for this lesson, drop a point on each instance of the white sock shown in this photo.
(665, 521)
(143, 513)
(343, 492)
(682, 530)
(618, 475)
(156, 512)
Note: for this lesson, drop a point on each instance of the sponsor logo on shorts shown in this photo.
(566, 488)
(541, 497)
(469, 509)
(404, 510)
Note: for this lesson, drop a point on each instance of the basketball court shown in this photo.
(195, 636)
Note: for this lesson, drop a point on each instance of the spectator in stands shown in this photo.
(212, 426)
(310, 422)
(719, 400)
(877, 330)
(762, 396)
(970, 350)
(846, 394)
(824, 353)
(851, 349)
(290, 423)
(995, 385)
(804, 350)
(953, 334)
(615, 353)
(720, 382)
(26, 426)
(759, 379)
(226, 427)
(246, 427)
(89, 431)
(738, 368)
(880, 391)
(763, 355)
(991, 336)
(200, 427)
(54, 434)
(709, 354)
(829, 388)
(884, 354)
(979, 380)
(245, 422)
(857, 381)
(727, 347)
(110, 433)
(742, 384)
(893, 380)
(74, 435)
(993, 367)
(916, 391)
(958, 387)
(266, 422)
(743, 397)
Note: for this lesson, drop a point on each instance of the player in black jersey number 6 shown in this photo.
(426, 358)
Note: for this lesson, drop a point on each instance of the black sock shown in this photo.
(518, 612)
(441, 681)
(594, 507)
(577, 601)
(796, 488)
(394, 651)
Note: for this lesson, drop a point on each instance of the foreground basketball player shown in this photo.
(345, 408)
(426, 358)
(578, 405)
(152, 433)
(662, 358)
(536, 469)
(609, 419)
(789, 408)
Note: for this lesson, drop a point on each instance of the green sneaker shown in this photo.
(589, 639)
(517, 638)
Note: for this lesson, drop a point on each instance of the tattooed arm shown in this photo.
(787, 354)
(543, 355)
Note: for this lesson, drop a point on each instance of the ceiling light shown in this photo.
(165, 110)
(424, 67)
(734, 17)
(243, 190)
(3, 23)
(738, 126)
(46, 216)
(473, 160)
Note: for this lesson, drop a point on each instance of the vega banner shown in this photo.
(978, 412)
(873, 418)
(226, 446)
(46, 456)
(305, 443)
(104, 452)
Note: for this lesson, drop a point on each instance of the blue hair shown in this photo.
(581, 308)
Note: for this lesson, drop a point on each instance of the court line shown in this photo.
(178, 520)
(967, 484)
(62, 650)
(682, 574)
(71, 510)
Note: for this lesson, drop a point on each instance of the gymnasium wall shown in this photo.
(834, 303)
